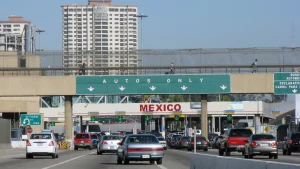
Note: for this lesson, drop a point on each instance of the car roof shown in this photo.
(141, 135)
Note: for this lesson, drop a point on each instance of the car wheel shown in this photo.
(152, 162)
(159, 161)
(53, 156)
(165, 148)
(283, 151)
(243, 153)
(276, 156)
(75, 148)
(227, 152)
(119, 160)
(99, 152)
(289, 151)
(28, 156)
(90, 147)
(205, 149)
(56, 155)
(126, 160)
(270, 156)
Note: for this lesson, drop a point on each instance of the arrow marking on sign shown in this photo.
(152, 88)
(294, 91)
(28, 121)
(122, 88)
(184, 87)
(223, 87)
(90, 88)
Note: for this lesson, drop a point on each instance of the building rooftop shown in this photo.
(15, 19)
(94, 2)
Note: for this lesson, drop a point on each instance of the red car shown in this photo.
(83, 140)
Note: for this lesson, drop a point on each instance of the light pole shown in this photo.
(141, 16)
(39, 30)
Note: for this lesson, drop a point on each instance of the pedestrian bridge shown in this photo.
(20, 86)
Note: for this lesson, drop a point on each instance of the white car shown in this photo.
(41, 144)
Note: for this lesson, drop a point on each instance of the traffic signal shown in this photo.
(147, 118)
(229, 117)
(52, 123)
(176, 117)
(93, 118)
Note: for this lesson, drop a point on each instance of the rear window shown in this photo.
(111, 138)
(200, 139)
(161, 139)
(40, 136)
(142, 139)
(296, 136)
(83, 136)
(185, 138)
(262, 137)
(240, 133)
(94, 137)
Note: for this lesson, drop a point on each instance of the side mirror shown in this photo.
(120, 143)
(246, 141)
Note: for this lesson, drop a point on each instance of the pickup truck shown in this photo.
(233, 140)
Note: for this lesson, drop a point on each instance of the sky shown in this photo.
(181, 24)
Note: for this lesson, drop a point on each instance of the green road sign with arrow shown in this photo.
(93, 118)
(176, 117)
(31, 119)
(120, 118)
(52, 123)
(147, 118)
(229, 117)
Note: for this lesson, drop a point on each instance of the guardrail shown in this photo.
(204, 161)
(209, 69)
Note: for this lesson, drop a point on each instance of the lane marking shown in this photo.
(161, 167)
(64, 162)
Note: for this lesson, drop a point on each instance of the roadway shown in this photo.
(174, 159)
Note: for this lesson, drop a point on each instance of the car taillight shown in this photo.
(274, 143)
(192, 142)
(159, 149)
(254, 143)
(51, 143)
(104, 142)
(205, 143)
(291, 141)
(28, 143)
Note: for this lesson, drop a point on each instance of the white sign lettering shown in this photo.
(168, 80)
(137, 80)
(104, 81)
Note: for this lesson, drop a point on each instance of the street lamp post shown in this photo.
(39, 30)
(141, 16)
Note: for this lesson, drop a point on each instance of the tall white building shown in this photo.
(16, 34)
(100, 34)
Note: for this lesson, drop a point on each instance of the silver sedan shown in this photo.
(140, 147)
(261, 144)
(108, 144)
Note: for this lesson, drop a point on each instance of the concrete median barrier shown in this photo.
(272, 165)
(238, 163)
(199, 161)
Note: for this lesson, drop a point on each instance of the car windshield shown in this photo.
(40, 136)
(161, 139)
(262, 137)
(79, 136)
(185, 138)
(240, 133)
(94, 137)
(142, 139)
(296, 136)
(111, 138)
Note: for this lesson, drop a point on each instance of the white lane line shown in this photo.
(161, 167)
(64, 162)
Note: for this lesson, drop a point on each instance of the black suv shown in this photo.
(291, 143)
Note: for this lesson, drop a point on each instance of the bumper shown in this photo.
(238, 148)
(108, 148)
(201, 146)
(82, 144)
(295, 148)
(139, 156)
(264, 150)
(40, 150)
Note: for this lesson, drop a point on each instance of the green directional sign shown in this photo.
(120, 118)
(176, 117)
(158, 84)
(93, 118)
(31, 119)
(229, 117)
(147, 118)
(287, 83)
(52, 123)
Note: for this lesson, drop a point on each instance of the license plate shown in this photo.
(112, 147)
(82, 141)
(39, 144)
(199, 143)
(264, 145)
(145, 156)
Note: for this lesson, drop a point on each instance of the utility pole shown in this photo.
(39, 30)
(141, 16)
